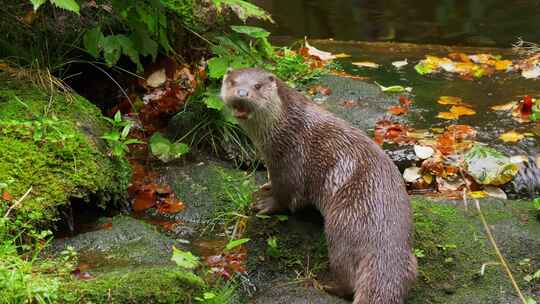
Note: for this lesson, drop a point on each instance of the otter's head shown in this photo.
(252, 95)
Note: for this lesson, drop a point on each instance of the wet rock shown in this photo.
(451, 244)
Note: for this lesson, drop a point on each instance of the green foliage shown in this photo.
(235, 243)
(70, 5)
(272, 248)
(243, 9)
(163, 149)
(117, 137)
(185, 259)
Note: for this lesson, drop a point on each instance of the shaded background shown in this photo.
(472, 22)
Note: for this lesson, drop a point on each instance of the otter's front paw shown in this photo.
(266, 187)
(266, 205)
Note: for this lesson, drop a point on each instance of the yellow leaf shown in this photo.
(342, 55)
(448, 115)
(502, 65)
(504, 107)
(511, 136)
(366, 64)
(450, 100)
(477, 194)
(461, 110)
(428, 178)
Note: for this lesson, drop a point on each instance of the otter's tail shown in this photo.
(384, 281)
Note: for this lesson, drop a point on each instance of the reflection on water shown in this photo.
(466, 22)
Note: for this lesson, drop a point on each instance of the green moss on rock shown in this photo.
(50, 142)
(145, 285)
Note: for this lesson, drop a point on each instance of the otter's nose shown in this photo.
(242, 93)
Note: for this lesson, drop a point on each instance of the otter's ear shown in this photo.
(229, 70)
(272, 78)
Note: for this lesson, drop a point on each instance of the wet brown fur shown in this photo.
(314, 157)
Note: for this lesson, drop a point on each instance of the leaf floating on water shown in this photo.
(461, 110)
(405, 102)
(511, 136)
(366, 64)
(450, 100)
(505, 107)
(394, 88)
(157, 78)
(488, 166)
(397, 110)
(400, 64)
(447, 115)
(423, 152)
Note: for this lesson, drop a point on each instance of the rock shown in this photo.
(59, 154)
(128, 263)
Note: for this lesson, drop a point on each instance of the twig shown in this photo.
(18, 202)
(494, 244)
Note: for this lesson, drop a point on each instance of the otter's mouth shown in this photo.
(240, 109)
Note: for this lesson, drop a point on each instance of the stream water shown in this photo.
(452, 22)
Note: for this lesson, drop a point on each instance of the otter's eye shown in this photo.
(257, 86)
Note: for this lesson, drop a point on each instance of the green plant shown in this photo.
(185, 259)
(235, 243)
(163, 149)
(117, 137)
(272, 248)
(70, 5)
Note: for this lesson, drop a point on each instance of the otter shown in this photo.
(314, 157)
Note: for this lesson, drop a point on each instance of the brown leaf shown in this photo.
(396, 110)
(6, 196)
(405, 102)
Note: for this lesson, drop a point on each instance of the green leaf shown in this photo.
(119, 149)
(251, 31)
(92, 41)
(144, 44)
(117, 117)
(423, 68)
(128, 49)
(217, 67)
(184, 259)
(163, 149)
(235, 243)
(243, 9)
(536, 203)
(37, 3)
(113, 135)
(530, 300)
(488, 166)
(112, 49)
(70, 5)
(394, 88)
(212, 101)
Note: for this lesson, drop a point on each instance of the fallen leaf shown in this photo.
(531, 72)
(423, 152)
(405, 102)
(450, 100)
(495, 192)
(394, 88)
(447, 115)
(170, 205)
(412, 174)
(396, 110)
(461, 132)
(321, 55)
(488, 166)
(6, 196)
(503, 65)
(157, 78)
(400, 64)
(349, 104)
(505, 107)
(477, 194)
(444, 184)
(511, 136)
(366, 64)
(461, 110)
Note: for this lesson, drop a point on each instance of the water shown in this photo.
(452, 22)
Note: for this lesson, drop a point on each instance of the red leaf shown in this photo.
(405, 102)
(6, 196)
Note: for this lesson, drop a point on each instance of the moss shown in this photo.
(148, 285)
(50, 142)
